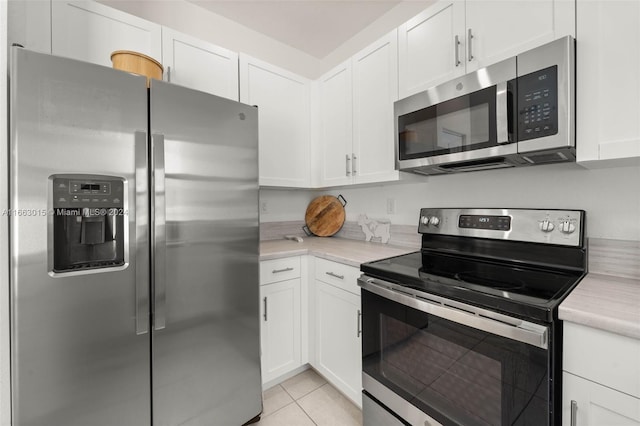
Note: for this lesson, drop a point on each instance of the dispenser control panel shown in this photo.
(73, 193)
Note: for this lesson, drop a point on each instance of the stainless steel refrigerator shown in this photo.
(133, 250)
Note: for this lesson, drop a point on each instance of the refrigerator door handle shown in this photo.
(142, 236)
(159, 237)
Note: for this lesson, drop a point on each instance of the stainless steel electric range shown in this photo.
(466, 330)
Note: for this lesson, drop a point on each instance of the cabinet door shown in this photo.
(283, 101)
(90, 32)
(375, 88)
(337, 333)
(504, 28)
(29, 24)
(280, 331)
(336, 126)
(596, 405)
(607, 83)
(427, 47)
(194, 63)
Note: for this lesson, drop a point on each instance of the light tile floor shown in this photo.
(307, 399)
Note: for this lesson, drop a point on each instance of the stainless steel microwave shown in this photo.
(518, 112)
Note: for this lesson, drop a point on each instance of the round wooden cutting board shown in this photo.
(325, 215)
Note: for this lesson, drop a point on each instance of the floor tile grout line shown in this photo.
(306, 414)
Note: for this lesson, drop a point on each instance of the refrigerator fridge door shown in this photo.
(79, 269)
(206, 341)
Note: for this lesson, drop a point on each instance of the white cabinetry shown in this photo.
(452, 38)
(607, 83)
(601, 378)
(428, 53)
(280, 331)
(194, 63)
(29, 24)
(90, 32)
(337, 323)
(356, 110)
(283, 101)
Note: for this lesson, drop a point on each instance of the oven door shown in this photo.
(461, 121)
(431, 360)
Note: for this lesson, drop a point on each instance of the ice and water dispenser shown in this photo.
(88, 222)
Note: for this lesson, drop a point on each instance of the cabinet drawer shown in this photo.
(275, 270)
(606, 358)
(339, 275)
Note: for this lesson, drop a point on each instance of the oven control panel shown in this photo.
(562, 227)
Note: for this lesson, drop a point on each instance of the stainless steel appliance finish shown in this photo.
(499, 104)
(465, 331)
(172, 336)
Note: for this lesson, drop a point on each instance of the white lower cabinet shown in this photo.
(601, 378)
(337, 328)
(280, 316)
(593, 404)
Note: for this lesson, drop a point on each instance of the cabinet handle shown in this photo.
(353, 165)
(348, 165)
(277, 271)
(333, 274)
(469, 38)
(169, 74)
(264, 300)
(359, 325)
(574, 413)
(457, 47)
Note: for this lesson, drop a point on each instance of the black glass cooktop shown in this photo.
(525, 291)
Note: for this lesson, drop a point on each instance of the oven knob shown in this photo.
(567, 227)
(424, 220)
(435, 221)
(546, 226)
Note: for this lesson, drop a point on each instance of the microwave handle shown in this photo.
(502, 112)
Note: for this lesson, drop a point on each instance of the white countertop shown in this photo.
(349, 252)
(605, 302)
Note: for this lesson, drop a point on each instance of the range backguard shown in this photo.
(88, 222)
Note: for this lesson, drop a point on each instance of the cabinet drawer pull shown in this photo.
(348, 165)
(359, 326)
(469, 38)
(457, 47)
(277, 271)
(353, 165)
(333, 274)
(574, 413)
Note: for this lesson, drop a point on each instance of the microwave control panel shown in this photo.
(538, 104)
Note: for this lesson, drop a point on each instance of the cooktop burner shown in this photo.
(520, 267)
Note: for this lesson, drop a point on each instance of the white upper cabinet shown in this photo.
(607, 82)
(454, 37)
(375, 89)
(283, 101)
(356, 117)
(194, 63)
(90, 32)
(430, 47)
(336, 126)
(496, 30)
(29, 24)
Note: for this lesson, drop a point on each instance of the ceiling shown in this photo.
(316, 27)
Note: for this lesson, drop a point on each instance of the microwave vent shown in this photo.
(546, 157)
(475, 165)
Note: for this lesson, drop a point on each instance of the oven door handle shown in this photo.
(461, 313)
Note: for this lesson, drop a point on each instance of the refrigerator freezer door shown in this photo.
(79, 340)
(206, 343)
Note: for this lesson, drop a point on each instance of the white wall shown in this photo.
(611, 197)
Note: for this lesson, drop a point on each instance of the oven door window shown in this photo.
(454, 373)
(462, 124)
